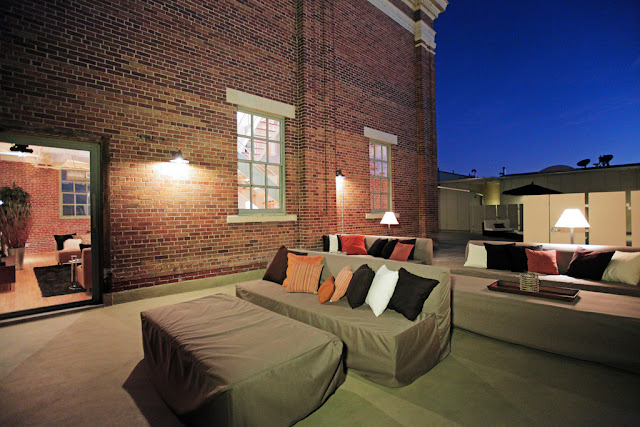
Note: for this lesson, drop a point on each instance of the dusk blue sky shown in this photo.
(528, 85)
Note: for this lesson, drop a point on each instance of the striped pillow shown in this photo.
(342, 283)
(300, 259)
(304, 277)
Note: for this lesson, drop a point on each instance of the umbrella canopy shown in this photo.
(530, 190)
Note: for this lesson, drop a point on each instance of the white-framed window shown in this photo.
(75, 194)
(380, 176)
(260, 162)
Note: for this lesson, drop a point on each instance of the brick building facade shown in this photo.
(143, 78)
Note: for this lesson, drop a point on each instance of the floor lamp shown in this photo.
(572, 218)
(389, 219)
(340, 185)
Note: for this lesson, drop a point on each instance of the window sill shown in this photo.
(239, 219)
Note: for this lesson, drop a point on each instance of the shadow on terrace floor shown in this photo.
(451, 247)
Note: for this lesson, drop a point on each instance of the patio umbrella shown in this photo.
(530, 190)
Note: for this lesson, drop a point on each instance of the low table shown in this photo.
(547, 292)
(219, 360)
(599, 327)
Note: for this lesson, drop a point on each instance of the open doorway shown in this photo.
(49, 254)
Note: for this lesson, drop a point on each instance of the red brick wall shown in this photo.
(151, 77)
(43, 185)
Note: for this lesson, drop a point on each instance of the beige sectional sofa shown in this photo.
(390, 349)
(564, 254)
(423, 253)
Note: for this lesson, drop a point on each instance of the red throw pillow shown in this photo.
(401, 252)
(543, 262)
(353, 244)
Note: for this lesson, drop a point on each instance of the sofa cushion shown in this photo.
(410, 293)
(587, 264)
(359, 285)
(303, 259)
(543, 262)
(277, 270)
(303, 276)
(376, 247)
(342, 283)
(410, 242)
(353, 244)
(498, 256)
(327, 289)
(388, 248)
(60, 238)
(401, 252)
(71, 245)
(477, 257)
(329, 243)
(382, 287)
(518, 257)
(624, 267)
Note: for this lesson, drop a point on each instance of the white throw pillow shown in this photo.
(333, 243)
(477, 257)
(72, 244)
(381, 290)
(624, 267)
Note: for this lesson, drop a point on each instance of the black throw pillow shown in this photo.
(410, 242)
(359, 285)
(518, 257)
(498, 256)
(277, 270)
(61, 238)
(388, 248)
(376, 247)
(83, 246)
(325, 243)
(589, 265)
(410, 294)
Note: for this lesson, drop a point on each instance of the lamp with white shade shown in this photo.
(389, 219)
(572, 218)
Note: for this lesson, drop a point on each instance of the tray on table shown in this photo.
(548, 292)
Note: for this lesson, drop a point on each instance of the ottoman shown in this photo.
(221, 360)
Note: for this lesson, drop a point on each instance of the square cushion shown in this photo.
(329, 242)
(518, 257)
(303, 276)
(410, 242)
(277, 270)
(71, 245)
(410, 293)
(381, 290)
(376, 247)
(624, 267)
(359, 285)
(353, 244)
(291, 258)
(342, 283)
(477, 257)
(388, 248)
(589, 265)
(543, 262)
(60, 238)
(498, 225)
(498, 256)
(401, 252)
(327, 289)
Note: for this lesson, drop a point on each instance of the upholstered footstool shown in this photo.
(223, 361)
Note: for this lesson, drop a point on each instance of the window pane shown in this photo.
(81, 187)
(384, 169)
(67, 187)
(67, 198)
(384, 200)
(371, 150)
(258, 198)
(88, 188)
(378, 169)
(384, 186)
(376, 201)
(273, 176)
(384, 152)
(244, 123)
(378, 151)
(259, 127)
(81, 210)
(273, 198)
(81, 199)
(244, 148)
(258, 174)
(243, 173)
(274, 130)
(259, 151)
(372, 167)
(68, 210)
(376, 185)
(274, 152)
(243, 197)
(63, 175)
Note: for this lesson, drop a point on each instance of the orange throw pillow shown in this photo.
(543, 262)
(353, 244)
(302, 259)
(326, 290)
(304, 277)
(401, 252)
(342, 283)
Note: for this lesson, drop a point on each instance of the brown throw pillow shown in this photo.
(303, 277)
(277, 270)
(326, 290)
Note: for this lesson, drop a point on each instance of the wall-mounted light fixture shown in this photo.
(340, 186)
(178, 158)
(20, 150)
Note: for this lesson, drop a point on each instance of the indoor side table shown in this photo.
(75, 286)
(7, 274)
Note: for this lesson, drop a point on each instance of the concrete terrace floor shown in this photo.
(86, 369)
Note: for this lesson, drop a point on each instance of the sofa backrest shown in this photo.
(423, 252)
(564, 251)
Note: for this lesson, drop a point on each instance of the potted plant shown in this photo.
(15, 220)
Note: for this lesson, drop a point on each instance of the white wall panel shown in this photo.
(557, 204)
(608, 218)
(536, 218)
(635, 218)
